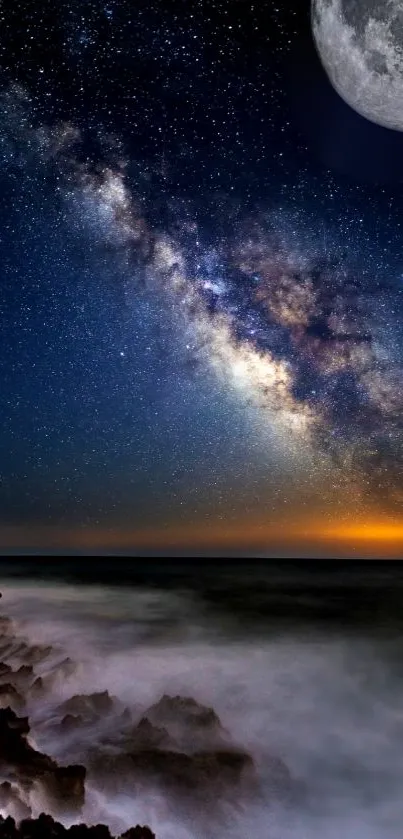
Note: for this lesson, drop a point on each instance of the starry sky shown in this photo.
(201, 286)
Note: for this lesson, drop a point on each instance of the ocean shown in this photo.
(302, 662)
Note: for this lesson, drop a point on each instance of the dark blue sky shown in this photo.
(201, 276)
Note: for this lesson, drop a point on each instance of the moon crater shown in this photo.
(360, 44)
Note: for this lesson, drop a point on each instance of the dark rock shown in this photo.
(184, 711)
(13, 731)
(190, 724)
(36, 654)
(146, 735)
(23, 677)
(96, 831)
(210, 774)
(179, 745)
(5, 790)
(38, 687)
(16, 648)
(26, 671)
(8, 830)
(11, 801)
(65, 784)
(10, 697)
(70, 722)
(91, 705)
(48, 827)
(42, 685)
(113, 771)
(45, 827)
(219, 771)
(191, 755)
(5, 648)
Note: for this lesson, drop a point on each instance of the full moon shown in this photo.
(360, 44)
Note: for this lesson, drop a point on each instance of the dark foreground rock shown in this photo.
(185, 711)
(64, 785)
(11, 803)
(178, 746)
(10, 697)
(181, 746)
(45, 827)
(88, 707)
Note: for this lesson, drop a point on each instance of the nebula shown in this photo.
(284, 321)
(293, 333)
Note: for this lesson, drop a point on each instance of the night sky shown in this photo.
(201, 286)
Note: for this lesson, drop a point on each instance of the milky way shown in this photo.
(293, 330)
(284, 318)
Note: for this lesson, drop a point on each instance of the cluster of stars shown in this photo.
(197, 315)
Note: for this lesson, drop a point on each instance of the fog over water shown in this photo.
(326, 699)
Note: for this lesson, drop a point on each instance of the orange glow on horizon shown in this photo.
(377, 531)
(381, 537)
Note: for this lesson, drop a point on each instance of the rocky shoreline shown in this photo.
(176, 745)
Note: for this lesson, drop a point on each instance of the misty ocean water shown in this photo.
(328, 703)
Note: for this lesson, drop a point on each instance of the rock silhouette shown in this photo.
(177, 745)
(191, 756)
(88, 706)
(63, 784)
(10, 697)
(12, 803)
(45, 827)
(188, 721)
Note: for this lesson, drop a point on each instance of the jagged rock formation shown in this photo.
(88, 707)
(63, 784)
(177, 745)
(181, 746)
(44, 827)
(10, 802)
